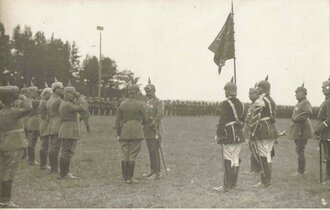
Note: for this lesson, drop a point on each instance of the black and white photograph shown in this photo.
(165, 104)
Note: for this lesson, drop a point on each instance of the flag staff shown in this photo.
(232, 15)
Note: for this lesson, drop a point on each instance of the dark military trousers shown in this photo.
(129, 151)
(44, 151)
(67, 150)
(326, 148)
(54, 148)
(153, 148)
(300, 150)
(32, 137)
(9, 162)
(255, 167)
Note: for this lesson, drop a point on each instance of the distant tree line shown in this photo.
(27, 57)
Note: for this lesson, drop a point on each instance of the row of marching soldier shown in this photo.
(55, 118)
(258, 126)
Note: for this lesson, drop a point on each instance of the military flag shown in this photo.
(223, 46)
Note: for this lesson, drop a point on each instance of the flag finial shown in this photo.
(149, 81)
(266, 78)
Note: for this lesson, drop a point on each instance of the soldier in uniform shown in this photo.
(44, 138)
(69, 131)
(130, 119)
(301, 128)
(322, 130)
(54, 123)
(154, 114)
(263, 129)
(12, 140)
(230, 136)
(253, 95)
(32, 125)
(84, 116)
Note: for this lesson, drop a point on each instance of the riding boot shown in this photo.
(124, 170)
(43, 159)
(235, 176)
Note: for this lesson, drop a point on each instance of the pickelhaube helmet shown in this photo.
(57, 84)
(149, 86)
(265, 85)
(231, 88)
(302, 88)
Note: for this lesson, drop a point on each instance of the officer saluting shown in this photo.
(154, 114)
(230, 135)
(45, 95)
(323, 128)
(12, 140)
(263, 129)
(69, 133)
(32, 125)
(301, 128)
(54, 123)
(129, 125)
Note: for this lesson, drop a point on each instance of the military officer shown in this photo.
(301, 128)
(84, 116)
(12, 140)
(263, 129)
(129, 126)
(230, 135)
(253, 95)
(54, 123)
(32, 125)
(154, 114)
(69, 131)
(44, 137)
(322, 130)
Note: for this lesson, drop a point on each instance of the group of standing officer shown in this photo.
(257, 124)
(54, 118)
(137, 120)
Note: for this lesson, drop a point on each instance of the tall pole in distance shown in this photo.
(100, 28)
(232, 15)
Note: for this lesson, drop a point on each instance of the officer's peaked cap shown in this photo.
(133, 89)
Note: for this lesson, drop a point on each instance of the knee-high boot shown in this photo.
(124, 170)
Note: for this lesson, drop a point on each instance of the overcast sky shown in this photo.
(168, 41)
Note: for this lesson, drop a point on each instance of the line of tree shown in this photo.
(26, 57)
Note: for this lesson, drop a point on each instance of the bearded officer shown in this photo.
(12, 140)
(322, 130)
(54, 123)
(32, 125)
(130, 118)
(263, 130)
(154, 114)
(44, 137)
(301, 128)
(230, 135)
(69, 131)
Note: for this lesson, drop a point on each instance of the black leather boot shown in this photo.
(43, 159)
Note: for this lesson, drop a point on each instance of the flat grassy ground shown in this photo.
(195, 167)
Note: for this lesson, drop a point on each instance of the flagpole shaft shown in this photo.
(235, 70)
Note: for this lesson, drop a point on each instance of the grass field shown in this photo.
(195, 167)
